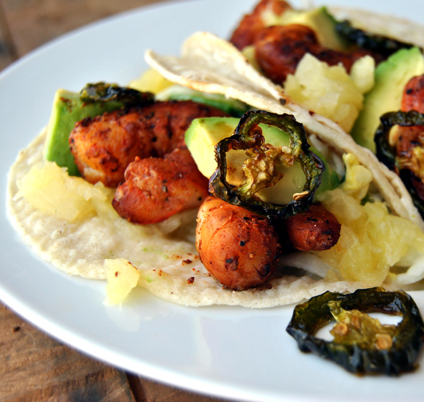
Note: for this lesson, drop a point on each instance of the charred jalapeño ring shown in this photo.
(386, 153)
(248, 137)
(399, 355)
(103, 92)
(376, 43)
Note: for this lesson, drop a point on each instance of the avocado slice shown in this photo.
(68, 109)
(204, 133)
(391, 76)
(231, 106)
(322, 23)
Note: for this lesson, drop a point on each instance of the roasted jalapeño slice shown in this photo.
(265, 163)
(361, 345)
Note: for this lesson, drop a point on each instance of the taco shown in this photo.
(381, 241)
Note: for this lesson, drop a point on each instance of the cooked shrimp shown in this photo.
(315, 229)
(279, 49)
(251, 24)
(238, 247)
(157, 188)
(105, 145)
(413, 95)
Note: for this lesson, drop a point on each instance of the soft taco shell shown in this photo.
(211, 64)
(387, 25)
(166, 261)
(167, 258)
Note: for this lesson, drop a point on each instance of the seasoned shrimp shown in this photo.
(413, 95)
(279, 49)
(315, 229)
(105, 145)
(157, 188)
(251, 24)
(238, 247)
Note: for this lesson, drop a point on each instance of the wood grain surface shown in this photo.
(33, 366)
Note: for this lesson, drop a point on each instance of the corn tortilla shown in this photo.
(168, 260)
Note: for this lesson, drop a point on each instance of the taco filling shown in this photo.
(211, 180)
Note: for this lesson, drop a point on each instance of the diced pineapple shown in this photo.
(362, 73)
(121, 278)
(269, 17)
(358, 178)
(103, 207)
(50, 189)
(371, 241)
(249, 53)
(151, 81)
(326, 90)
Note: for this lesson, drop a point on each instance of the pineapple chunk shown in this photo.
(249, 53)
(371, 241)
(151, 81)
(358, 178)
(362, 73)
(48, 188)
(121, 278)
(326, 90)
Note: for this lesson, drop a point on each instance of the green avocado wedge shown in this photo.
(179, 93)
(204, 133)
(68, 109)
(391, 76)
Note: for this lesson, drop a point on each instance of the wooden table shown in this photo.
(33, 366)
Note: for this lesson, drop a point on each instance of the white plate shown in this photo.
(230, 352)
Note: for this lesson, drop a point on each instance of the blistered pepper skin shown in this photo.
(387, 154)
(247, 136)
(103, 92)
(408, 338)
